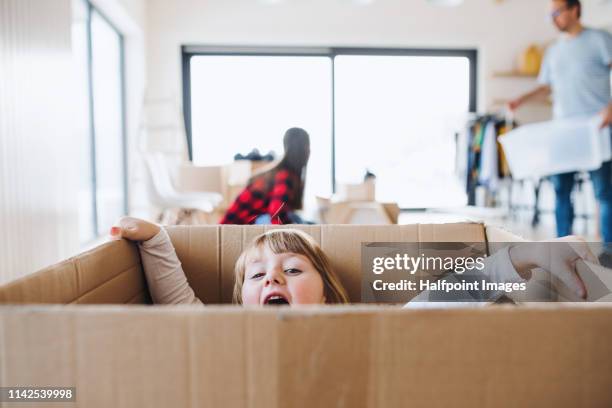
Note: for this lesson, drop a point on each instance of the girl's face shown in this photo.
(285, 278)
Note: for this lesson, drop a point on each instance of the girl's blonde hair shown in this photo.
(298, 242)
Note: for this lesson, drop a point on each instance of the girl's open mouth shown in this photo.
(275, 299)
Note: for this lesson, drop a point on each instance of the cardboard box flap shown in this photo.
(101, 269)
(322, 356)
(54, 284)
(110, 273)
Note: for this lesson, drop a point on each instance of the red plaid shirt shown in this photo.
(259, 198)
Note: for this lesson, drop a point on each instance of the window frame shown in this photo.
(189, 51)
(90, 9)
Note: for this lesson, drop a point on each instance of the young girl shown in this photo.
(271, 197)
(279, 267)
(288, 267)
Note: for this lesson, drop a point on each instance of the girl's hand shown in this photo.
(134, 229)
(558, 256)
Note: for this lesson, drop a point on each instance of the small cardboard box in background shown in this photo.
(356, 204)
(365, 191)
(357, 212)
(228, 180)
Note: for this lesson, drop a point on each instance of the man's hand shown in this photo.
(606, 116)
(539, 92)
(561, 261)
(558, 256)
(514, 104)
(134, 229)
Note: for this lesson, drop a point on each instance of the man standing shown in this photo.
(576, 70)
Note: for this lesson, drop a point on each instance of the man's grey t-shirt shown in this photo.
(578, 71)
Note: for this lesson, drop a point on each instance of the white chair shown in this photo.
(164, 195)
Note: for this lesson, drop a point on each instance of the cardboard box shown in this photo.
(354, 356)
(324, 357)
(112, 273)
(261, 165)
(365, 191)
(356, 204)
(357, 212)
(361, 213)
(228, 180)
(192, 178)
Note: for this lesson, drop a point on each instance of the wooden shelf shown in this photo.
(512, 74)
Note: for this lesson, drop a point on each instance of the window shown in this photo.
(396, 116)
(103, 185)
(244, 102)
(390, 111)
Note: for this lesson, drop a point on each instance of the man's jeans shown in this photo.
(564, 211)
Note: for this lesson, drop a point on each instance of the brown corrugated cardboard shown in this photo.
(314, 357)
(227, 180)
(350, 356)
(393, 211)
(112, 272)
(190, 216)
(365, 191)
(358, 212)
(261, 165)
(200, 178)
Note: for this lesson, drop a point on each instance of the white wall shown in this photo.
(129, 16)
(43, 121)
(500, 30)
(38, 136)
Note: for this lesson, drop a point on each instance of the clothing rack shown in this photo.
(484, 164)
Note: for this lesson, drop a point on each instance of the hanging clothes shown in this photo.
(486, 163)
(489, 163)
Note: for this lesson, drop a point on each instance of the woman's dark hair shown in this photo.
(297, 152)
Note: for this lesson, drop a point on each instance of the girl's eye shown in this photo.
(257, 275)
(292, 271)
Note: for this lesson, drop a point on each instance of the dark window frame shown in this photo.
(189, 51)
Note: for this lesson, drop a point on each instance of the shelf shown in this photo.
(513, 74)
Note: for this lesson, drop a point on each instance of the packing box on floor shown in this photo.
(228, 180)
(357, 212)
(365, 191)
(356, 204)
(352, 356)
(360, 213)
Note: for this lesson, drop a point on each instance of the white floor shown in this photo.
(519, 223)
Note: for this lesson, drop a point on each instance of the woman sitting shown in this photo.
(272, 196)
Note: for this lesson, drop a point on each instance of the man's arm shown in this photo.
(606, 116)
(539, 92)
(606, 113)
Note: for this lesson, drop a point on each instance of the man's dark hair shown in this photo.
(574, 3)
